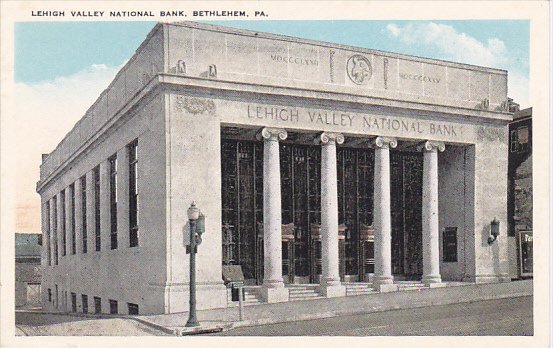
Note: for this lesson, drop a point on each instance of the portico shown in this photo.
(329, 219)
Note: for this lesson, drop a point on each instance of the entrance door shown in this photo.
(242, 204)
(355, 205)
(300, 168)
(406, 191)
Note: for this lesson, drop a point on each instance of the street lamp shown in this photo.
(494, 230)
(196, 223)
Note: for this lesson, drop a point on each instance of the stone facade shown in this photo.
(186, 82)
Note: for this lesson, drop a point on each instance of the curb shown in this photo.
(153, 325)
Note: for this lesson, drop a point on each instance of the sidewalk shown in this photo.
(227, 318)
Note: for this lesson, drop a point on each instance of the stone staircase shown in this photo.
(406, 285)
(355, 289)
(251, 297)
(303, 292)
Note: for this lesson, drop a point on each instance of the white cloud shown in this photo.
(454, 45)
(518, 88)
(449, 44)
(45, 113)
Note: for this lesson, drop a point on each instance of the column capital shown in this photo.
(431, 146)
(328, 138)
(384, 142)
(272, 134)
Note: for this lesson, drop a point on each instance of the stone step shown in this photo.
(308, 291)
(411, 285)
(304, 295)
(365, 290)
(362, 286)
(306, 298)
(298, 288)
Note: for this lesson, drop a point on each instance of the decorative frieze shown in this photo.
(194, 105)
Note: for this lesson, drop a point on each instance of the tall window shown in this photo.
(62, 224)
(133, 193)
(84, 300)
(73, 232)
(97, 207)
(113, 307)
(83, 217)
(55, 228)
(97, 305)
(113, 199)
(73, 302)
(48, 236)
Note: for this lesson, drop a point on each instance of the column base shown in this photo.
(378, 280)
(504, 278)
(385, 287)
(501, 278)
(333, 290)
(431, 279)
(274, 294)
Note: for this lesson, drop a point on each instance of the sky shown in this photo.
(62, 67)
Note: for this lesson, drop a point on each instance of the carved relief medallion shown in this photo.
(194, 105)
(359, 69)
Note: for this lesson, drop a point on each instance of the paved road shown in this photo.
(495, 317)
(38, 324)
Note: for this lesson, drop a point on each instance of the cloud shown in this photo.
(518, 88)
(449, 44)
(45, 113)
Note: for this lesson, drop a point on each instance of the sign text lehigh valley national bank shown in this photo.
(344, 119)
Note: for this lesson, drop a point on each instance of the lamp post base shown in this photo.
(192, 323)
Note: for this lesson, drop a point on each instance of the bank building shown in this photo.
(322, 170)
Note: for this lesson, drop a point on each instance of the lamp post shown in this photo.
(193, 214)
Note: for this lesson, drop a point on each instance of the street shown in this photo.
(509, 317)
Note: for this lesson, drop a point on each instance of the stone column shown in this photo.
(330, 279)
(273, 289)
(430, 224)
(382, 221)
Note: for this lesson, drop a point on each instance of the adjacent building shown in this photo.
(520, 194)
(27, 269)
(313, 163)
